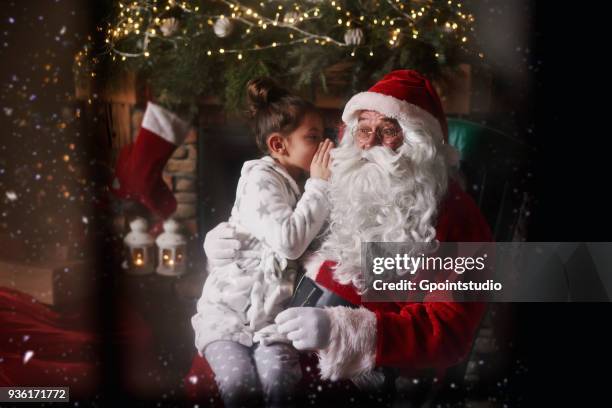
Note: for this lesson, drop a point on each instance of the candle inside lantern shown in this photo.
(167, 257)
(138, 255)
(179, 255)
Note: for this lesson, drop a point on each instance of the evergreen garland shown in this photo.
(184, 50)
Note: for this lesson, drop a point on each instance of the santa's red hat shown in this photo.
(404, 95)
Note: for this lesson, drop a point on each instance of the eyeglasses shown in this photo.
(386, 134)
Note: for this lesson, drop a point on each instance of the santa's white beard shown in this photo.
(381, 195)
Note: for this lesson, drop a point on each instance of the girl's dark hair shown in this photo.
(273, 109)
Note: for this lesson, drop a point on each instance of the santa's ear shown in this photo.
(277, 144)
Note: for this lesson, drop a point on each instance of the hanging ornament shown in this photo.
(223, 27)
(291, 17)
(169, 26)
(353, 36)
(143, 43)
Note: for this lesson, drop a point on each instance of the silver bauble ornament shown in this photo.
(291, 17)
(169, 26)
(223, 27)
(353, 36)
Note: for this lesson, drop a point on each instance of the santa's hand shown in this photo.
(221, 245)
(307, 327)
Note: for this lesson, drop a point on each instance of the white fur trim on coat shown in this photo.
(165, 124)
(312, 262)
(391, 107)
(351, 353)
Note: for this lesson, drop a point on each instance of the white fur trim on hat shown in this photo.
(165, 124)
(391, 107)
(352, 349)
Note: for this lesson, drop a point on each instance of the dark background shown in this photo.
(566, 347)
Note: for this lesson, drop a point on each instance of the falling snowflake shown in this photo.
(11, 195)
(27, 356)
(193, 379)
(85, 220)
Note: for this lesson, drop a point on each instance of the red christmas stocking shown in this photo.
(138, 174)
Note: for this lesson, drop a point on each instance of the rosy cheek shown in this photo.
(395, 143)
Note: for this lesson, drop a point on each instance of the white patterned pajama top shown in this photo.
(240, 300)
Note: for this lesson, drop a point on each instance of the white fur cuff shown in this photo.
(165, 124)
(352, 350)
(312, 262)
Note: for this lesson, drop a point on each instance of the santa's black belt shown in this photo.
(311, 294)
(308, 293)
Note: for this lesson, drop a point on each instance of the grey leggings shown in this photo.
(245, 374)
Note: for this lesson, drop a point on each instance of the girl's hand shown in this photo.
(319, 168)
(308, 328)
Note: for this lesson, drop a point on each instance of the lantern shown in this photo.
(172, 250)
(141, 253)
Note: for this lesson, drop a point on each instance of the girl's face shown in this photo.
(302, 143)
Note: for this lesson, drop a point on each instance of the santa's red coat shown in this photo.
(408, 336)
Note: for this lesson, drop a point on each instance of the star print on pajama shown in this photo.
(264, 185)
(243, 375)
(234, 324)
(277, 223)
(262, 210)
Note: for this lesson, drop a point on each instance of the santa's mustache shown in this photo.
(352, 159)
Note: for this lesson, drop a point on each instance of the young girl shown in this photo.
(234, 321)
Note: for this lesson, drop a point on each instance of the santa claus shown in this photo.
(390, 182)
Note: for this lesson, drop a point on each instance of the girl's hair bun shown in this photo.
(261, 93)
(273, 109)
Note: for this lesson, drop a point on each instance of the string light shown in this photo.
(143, 20)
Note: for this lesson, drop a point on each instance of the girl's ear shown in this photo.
(276, 144)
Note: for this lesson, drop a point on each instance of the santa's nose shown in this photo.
(371, 141)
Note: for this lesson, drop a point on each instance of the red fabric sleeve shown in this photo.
(427, 335)
(436, 334)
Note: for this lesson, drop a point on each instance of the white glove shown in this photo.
(308, 328)
(221, 245)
